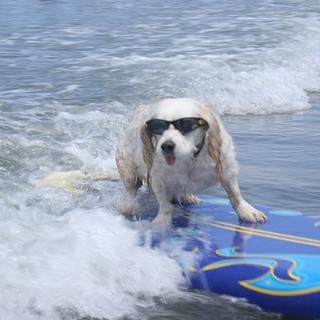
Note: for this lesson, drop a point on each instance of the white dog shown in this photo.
(180, 147)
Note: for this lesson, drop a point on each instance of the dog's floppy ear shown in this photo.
(147, 151)
(214, 143)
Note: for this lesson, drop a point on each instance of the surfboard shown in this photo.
(274, 265)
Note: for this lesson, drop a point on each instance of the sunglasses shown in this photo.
(184, 125)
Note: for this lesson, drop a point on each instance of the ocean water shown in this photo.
(70, 74)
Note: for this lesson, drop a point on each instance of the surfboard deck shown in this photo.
(274, 265)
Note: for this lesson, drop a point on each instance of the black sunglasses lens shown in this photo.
(183, 125)
(157, 126)
(187, 125)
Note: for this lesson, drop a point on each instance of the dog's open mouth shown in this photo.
(170, 159)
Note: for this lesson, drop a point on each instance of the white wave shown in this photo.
(276, 78)
(275, 81)
(263, 91)
(92, 157)
(86, 262)
(279, 81)
(91, 135)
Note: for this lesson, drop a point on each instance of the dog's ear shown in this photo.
(147, 151)
(213, 136)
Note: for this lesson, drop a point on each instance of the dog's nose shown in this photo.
(168, 146)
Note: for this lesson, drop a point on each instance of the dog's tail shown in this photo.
(76, 181)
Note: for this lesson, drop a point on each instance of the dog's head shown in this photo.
(177, 131)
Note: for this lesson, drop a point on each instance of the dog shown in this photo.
(179, 146)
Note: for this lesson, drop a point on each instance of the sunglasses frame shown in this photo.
(184, 125)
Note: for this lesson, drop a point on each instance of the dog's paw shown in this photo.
(162, 221)
(190, 199)
(248, 213)
(127, 204)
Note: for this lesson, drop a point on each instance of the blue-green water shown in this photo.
(70, 74)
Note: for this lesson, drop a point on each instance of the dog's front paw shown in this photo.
(162, 221)
(190, 199)
(247, 212)
(127, 204)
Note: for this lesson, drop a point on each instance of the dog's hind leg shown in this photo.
(131, 181)
(128, 171)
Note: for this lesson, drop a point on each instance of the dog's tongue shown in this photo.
(170, 159)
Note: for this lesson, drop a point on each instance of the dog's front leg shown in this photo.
(164, 216)
(245, 211)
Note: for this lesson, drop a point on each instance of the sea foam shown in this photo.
(87, 262)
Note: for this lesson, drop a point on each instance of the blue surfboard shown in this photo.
(275, 265)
